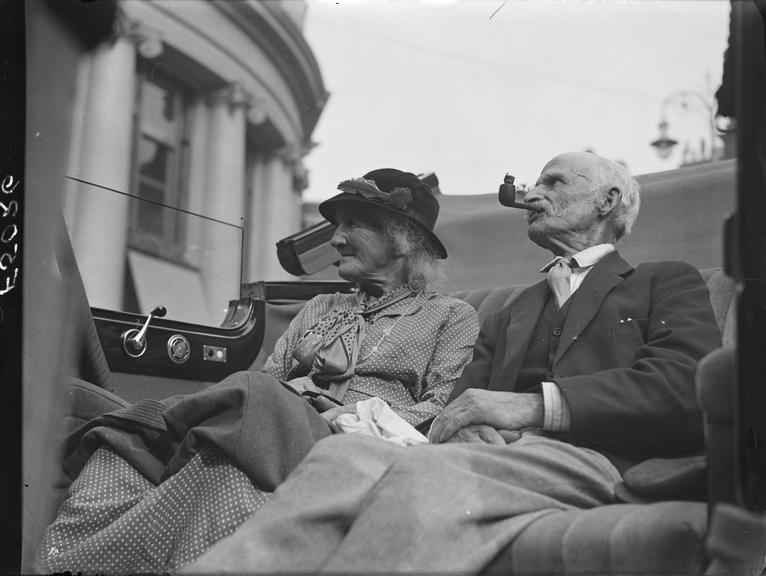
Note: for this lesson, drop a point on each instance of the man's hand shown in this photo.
(481, 433)
(500, 410)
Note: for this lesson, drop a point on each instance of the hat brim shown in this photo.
(328, 207)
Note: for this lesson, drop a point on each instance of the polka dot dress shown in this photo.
(411, 355)
(116, 521)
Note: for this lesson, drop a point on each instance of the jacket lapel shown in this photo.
(605, 275)
(524, 313)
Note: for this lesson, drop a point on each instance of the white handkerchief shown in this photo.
(376, 418)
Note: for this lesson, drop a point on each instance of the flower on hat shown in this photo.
(361, 186)
(401, 198)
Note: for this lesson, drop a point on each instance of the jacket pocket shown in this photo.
(629, 328)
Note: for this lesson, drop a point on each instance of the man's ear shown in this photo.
(609, 201)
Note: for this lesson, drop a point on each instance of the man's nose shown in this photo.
(533, 196)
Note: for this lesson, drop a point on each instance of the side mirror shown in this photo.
(308, 251)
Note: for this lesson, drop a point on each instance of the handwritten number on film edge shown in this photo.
(9, 244)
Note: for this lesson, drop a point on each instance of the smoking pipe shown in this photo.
(506, 194)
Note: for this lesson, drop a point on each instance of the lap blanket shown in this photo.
(429, 509)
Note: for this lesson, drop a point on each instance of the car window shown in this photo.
(135, 254)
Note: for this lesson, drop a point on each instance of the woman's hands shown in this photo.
(302, 384)
(326, 407)
(332, 410)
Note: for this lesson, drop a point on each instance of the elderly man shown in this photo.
(580, 376)
(601, 354)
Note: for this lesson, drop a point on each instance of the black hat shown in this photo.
(394, 191)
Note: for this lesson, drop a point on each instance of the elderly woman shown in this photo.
(158, 482)
(393, 339)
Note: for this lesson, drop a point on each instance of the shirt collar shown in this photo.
(585, 258)
(591, 256)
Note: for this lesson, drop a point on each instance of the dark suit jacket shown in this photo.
(626, 358)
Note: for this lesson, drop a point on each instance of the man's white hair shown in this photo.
(608, 174)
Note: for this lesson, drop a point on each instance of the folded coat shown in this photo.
(159, 437)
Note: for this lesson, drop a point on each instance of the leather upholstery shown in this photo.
(661, 538)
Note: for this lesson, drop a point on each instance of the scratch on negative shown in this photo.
(498, 9)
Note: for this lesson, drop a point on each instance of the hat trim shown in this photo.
(399, 198)
(328, 212)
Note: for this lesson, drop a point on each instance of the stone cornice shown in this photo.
(280, 38)
(148, 40)
(294, 152)
(233, 95)
(292, 155)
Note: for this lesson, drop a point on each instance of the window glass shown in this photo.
(159, 107)
(153, 160)
(195, 284)
(159, 167)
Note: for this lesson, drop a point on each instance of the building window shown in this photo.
(159, 165)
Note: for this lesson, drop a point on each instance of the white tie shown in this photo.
(558, 280)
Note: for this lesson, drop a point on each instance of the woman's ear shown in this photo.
(609, 201)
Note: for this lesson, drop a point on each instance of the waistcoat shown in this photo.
(538, 361)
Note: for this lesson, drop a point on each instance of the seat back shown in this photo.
(87, 361)
(489, 301)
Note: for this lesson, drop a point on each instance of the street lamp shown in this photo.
(687, 100)
(664, 144)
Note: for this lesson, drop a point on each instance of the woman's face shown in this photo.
(367, 256)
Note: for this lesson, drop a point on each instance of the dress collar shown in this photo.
(389, 300)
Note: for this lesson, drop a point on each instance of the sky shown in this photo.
(472, 89)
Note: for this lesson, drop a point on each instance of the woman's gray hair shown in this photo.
(609, 174)
(421, 264)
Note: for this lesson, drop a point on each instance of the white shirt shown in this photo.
(557, 417)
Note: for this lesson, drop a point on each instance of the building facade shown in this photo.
(189, 134)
